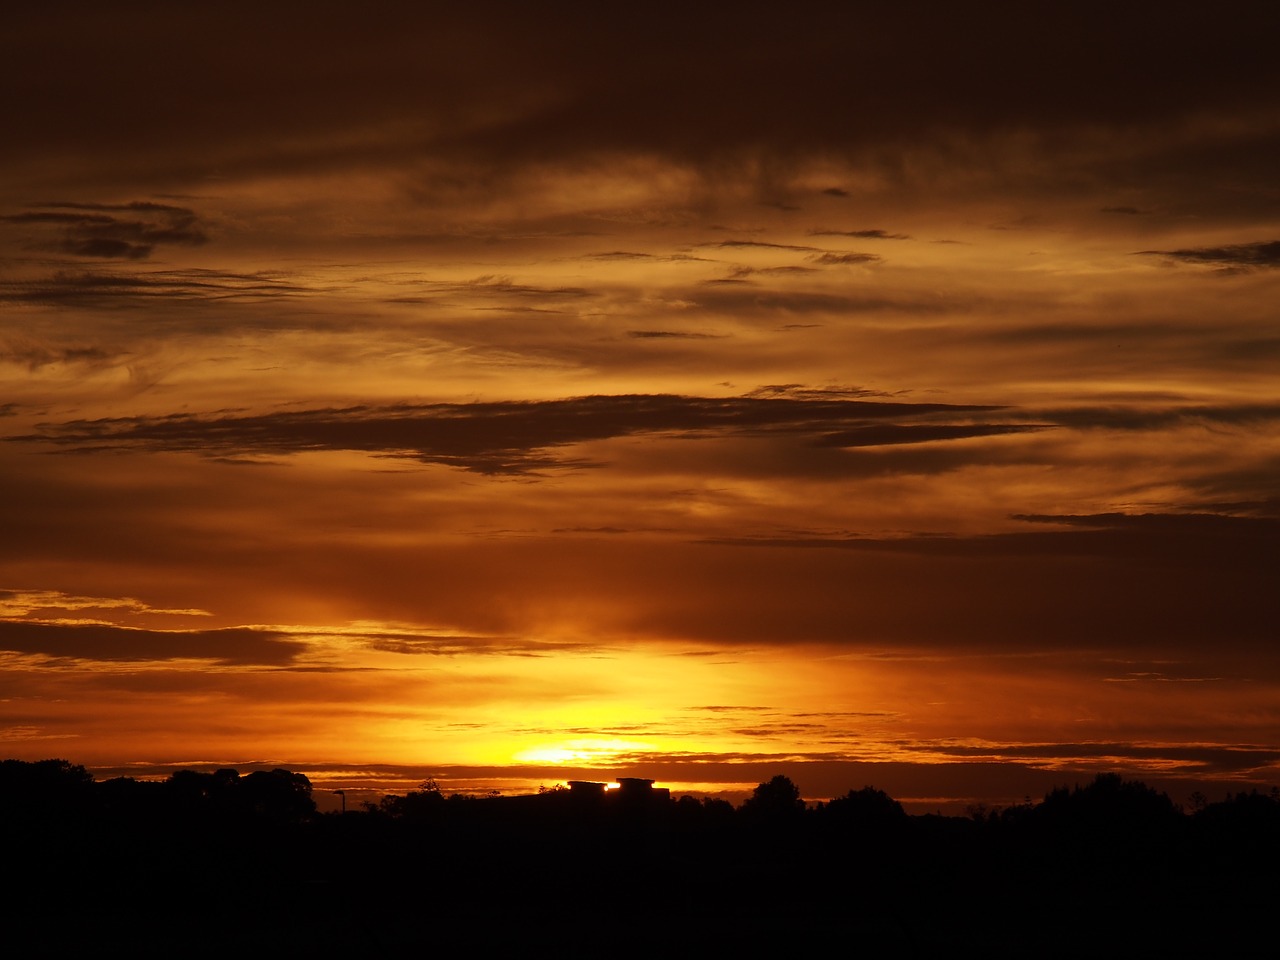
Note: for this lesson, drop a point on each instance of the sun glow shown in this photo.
(588, 751)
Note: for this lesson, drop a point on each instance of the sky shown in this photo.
(523, 392)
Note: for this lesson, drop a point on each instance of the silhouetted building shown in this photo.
(640, 789)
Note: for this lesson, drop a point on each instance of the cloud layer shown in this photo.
(500, 387)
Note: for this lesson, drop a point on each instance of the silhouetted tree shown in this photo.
(702, 816)
(43, 776)
(44, 789)
(717, 808)
(867, 804)
(415, 805)
(1252, 818)
(225, 795)
(188, 790)
(1110, 819)
(277, 795)
(774, 801)
(1109, 799)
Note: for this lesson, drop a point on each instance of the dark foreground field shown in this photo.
(201, 866)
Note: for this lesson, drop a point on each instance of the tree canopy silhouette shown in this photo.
(776, 800)
(867, 805)
(1109, 803)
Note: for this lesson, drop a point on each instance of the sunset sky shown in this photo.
(875, 394)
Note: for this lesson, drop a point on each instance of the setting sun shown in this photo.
(585, 752)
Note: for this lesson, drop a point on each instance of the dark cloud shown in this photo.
(836, 192)
(773, 271)
(501, 291)
(1162, 524)
(919, 459)
(507, 287)
(1232, 256)
(593, 530)
(94, 641)
(128, 231)
(836, 258)
(779, 730)
(1127, 350)
(1159, 418)
(613, 255)
(800, 391)
(1246, 490)
(414, 644)
(874, 234)
(671, 335)
(762, 245)
(99, 289)
(895, 433)
(728, 708)
(550, 83)
(1236, 541)
(740, 274)
(492, 438)
(1201, 758)
(1196, 589)
(739, 297)
(33, 356)
(1268, 507)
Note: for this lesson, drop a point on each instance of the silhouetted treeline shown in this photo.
(58, 790)
(1108, 866)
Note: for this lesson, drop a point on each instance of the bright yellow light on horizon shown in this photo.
(588, 751)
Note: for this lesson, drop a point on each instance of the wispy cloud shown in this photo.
(671, 335)
(101, 641)
(24, 603)
(871, 234)
(1216, 758)
(102, 289)
(506, 437)
(33, 355)
(109, 231)
(1236, 256)
(1112, 535)
(830, 259)
(881, 435)
(763, 245)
